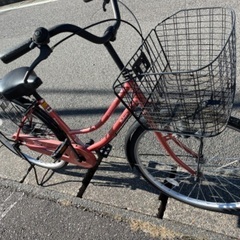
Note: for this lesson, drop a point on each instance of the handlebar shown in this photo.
(16, 52)
(30, 44)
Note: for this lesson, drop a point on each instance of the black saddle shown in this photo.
(13, 86)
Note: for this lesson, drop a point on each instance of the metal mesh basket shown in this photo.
(10, 116)
(15, 118)
(186, 71)
(8, 110)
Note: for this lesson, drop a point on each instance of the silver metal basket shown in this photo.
(186, 70)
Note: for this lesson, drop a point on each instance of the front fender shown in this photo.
(128, 139)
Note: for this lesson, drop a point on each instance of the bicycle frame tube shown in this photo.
(72, 133)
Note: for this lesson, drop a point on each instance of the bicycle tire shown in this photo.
(42, 126)
(218, 186)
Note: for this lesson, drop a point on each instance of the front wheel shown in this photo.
(37, 124)
(171, 164)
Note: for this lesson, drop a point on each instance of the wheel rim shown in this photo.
(34, 126)
(216, 188)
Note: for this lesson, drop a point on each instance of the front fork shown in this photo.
(163, 141)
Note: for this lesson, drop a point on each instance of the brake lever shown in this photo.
(105, 2)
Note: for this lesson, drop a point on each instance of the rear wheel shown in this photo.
(213, 184)
(38, 125)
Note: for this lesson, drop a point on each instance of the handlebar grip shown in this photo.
(87, 0)
(16, 52)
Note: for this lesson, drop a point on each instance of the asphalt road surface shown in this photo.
(77, 73)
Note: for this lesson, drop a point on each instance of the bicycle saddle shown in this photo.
(13, 85)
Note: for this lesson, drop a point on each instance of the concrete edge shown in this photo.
(140, 221)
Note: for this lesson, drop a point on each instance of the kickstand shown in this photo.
(32, 166)
(163, 197)
(88, 177)
(28, 171)
(163, 205)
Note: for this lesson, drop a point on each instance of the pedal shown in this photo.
(60, 149)
(104, 151)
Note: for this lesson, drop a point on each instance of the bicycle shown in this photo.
(179, 86)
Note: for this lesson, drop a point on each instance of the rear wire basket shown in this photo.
(9, 111)
(186, 70)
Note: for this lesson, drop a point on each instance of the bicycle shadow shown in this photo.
(109, 174)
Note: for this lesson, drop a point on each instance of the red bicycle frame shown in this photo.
(48, 146)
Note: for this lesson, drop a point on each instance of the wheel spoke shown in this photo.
(216, 184)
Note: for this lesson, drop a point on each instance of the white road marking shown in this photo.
(24, 4)
(4, 210)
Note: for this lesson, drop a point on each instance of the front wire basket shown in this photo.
(186, 70)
